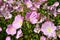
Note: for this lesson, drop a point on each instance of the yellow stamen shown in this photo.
(49, 29)
(20, 22)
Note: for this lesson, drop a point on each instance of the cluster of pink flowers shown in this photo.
(12, 28)
(47, 28)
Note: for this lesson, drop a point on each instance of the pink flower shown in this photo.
(56, 4)
(32, 17)
(53, 10)
(0, 29)
(28, 4)
(8, 38)
(48, 28)
(43, 38)
(19, 34)
(18, 21)
(10, 30)
(37, 29)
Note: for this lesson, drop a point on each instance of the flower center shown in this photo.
(5, 0)
(49, 29)
(20, 22)
(12, 29)
(38, 31)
